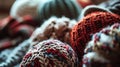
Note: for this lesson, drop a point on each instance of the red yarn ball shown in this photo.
(90, 24)
(50, 53)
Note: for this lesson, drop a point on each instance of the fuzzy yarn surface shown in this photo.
(103, 49)
(50, 53)
(92, 23)
(54, 28)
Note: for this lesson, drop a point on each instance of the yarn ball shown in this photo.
(59, 8)
(54, 28)
(82, 31)
(90, 9)
(50, 53)
(21, 8)
(104, 48)
(93, 59)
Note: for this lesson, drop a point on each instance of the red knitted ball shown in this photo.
(50, 53)
(90, 24)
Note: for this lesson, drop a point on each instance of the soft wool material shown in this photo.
(21, 8)
(13, 56)
(103, 49)
(59, 8)
(50, 53)
(13, 32)
(54, 28)
(89, 25)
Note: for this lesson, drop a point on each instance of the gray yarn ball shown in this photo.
(58, 8)
(112, 6)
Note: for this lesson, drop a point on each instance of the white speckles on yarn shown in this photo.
(89, 46)
(16, 55)
(50, 51)
(4, 54)
(104, 47)
(53, 28)
(95, 57)
(105, 38)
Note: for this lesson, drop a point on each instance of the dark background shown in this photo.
(5, 6)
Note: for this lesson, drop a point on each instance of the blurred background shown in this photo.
(15, 31)
(5, 6)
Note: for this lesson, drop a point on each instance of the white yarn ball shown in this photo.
(21, 8)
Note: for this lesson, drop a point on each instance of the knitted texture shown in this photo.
(59, 8)
(11, 57)
(104, 48)
(90, 24)
(50, 53)
(13, 32)
(54, 28)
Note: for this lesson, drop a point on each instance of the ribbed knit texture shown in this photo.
(59, 8)
(13, 56)
(90, 24)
